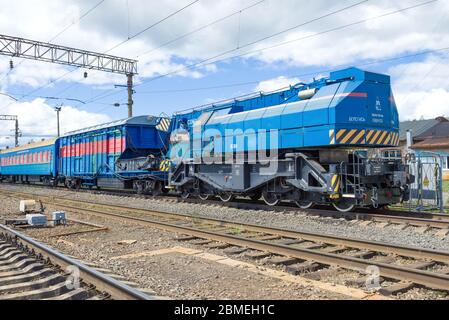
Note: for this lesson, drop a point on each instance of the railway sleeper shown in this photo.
(7, 251)
(30, 268)
(16, 256)
(360, 282)
(9, 255)
(235, 250)
(218, 245)
(281, 261)
(303, 267)
(23, 263)
(25, 277)
(257, 255)
(397, 288)
(55, 290)
(77, 294)
(33, 285)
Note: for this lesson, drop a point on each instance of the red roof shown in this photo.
(432, 143)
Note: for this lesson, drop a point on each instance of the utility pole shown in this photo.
(130, 94)
(16, 132)
(16, 129)
(58, 109)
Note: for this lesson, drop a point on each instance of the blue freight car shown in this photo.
(301, 144)
(122, 154)
(34, 162)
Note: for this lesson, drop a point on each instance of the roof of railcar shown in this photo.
(33, 145)
(140, 120)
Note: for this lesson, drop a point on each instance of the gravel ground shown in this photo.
(289, 220)
(208, 280)
(171, 275)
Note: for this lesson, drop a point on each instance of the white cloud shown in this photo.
(422, 88)
(410, 31)
(276, 83)
(38, 119)
(423, 104)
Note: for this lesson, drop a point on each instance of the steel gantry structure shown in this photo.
(42, 51)
(16, 130)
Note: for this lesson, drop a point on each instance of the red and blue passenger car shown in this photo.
(123, 154)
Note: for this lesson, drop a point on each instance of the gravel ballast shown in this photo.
(296, 220)
(185, 277)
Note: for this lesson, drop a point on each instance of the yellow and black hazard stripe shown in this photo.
(335, 183)
(331, 136)
(395, 139)
(349, 136)
(163, 125)
(362, 136)
(165, 165)
(335, 186)
(382, 138)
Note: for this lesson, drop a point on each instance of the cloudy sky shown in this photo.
(246, 46)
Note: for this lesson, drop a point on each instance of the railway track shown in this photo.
(30, 270)
(406, 218)
(402, 268)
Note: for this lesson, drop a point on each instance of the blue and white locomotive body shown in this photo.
(311, 133)
(351, 108)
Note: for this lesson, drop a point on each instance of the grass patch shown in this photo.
(445, 186)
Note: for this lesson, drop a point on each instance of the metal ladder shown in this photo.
(351, 178)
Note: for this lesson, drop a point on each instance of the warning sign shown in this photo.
(426, 182)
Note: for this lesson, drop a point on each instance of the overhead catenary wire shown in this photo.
(211, 60)
(90, 10)
(422, 80)
(337, 67)
(339, 27)
(182, 36)
(104, 95)
(77, 21)
(204, 62)
(66, 28)
(151, 26)
(147, 28)
(238, 84)
(119, 44)
(200, 28)
(39, 88)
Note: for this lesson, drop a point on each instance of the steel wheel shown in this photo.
(138, 187)
(226, 197)
(204, 196)
(270, 199)
(343, 206)
(304, 204)
(157, 191)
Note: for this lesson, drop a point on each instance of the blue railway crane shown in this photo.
(314, 135)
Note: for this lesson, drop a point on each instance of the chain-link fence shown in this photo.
(426, 193)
